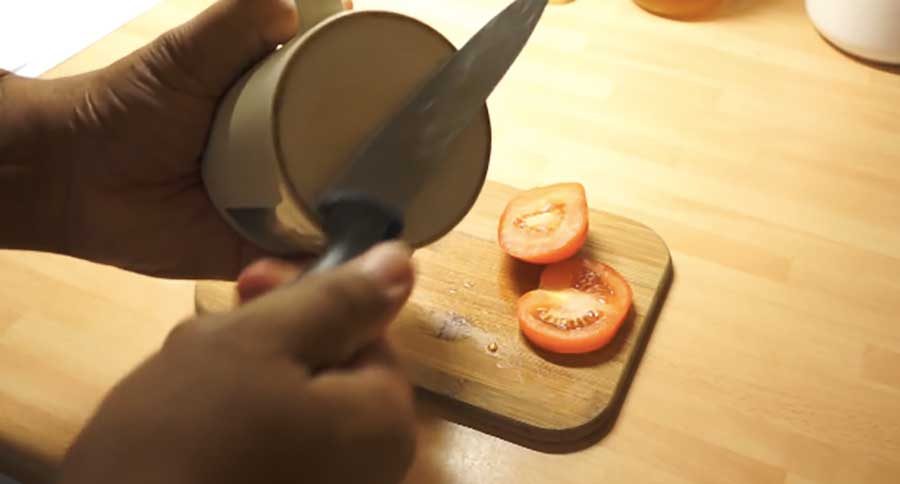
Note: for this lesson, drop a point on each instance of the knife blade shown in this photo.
(369, 197)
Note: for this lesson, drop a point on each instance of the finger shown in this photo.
(372, 414)
(265, 275)
(376, 354)
(205, 55)
(324, 319)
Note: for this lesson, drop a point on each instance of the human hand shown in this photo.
(130, 137)
(297, 385)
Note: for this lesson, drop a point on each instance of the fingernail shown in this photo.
(389, 266)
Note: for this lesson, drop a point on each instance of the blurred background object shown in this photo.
(869, 29)
(679, 8)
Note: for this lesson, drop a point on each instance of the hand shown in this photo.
(295, 386)
(129, 138)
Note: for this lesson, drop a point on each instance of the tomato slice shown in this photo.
(546, 224)
(591, 277)
(579, 308)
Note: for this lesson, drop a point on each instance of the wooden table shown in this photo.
(769, 162)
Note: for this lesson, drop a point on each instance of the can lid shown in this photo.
(342, 83)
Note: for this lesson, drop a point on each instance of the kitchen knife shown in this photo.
(366, 203)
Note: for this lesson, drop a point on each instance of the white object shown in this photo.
(288, 128)
(37, 35)
(866, 28)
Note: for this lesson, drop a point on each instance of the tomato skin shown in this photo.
(546, 224)
(572, 289)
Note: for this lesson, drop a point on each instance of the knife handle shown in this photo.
(353, 225)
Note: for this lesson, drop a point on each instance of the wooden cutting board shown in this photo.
(465, 300)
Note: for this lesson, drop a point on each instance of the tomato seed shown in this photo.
(542, 221)
(589, 281)
(547, 315)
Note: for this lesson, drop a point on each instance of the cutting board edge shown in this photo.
(208, 297)
(579, 429)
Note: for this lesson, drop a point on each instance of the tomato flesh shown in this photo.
(580, 306)
(591, 277)
(545, 225)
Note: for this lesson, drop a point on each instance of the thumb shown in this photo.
(326, 319)
(205, 55)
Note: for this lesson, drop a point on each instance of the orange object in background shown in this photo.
(679, 8)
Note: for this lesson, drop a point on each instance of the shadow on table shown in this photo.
(16, 465)
(432, 450)
(891, 69)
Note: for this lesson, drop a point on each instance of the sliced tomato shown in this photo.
(546, 224)
(579, 308)
(591, 277)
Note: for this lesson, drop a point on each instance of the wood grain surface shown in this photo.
(465, 301)
(768, 162)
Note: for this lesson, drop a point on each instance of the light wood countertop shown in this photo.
(768, 161)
